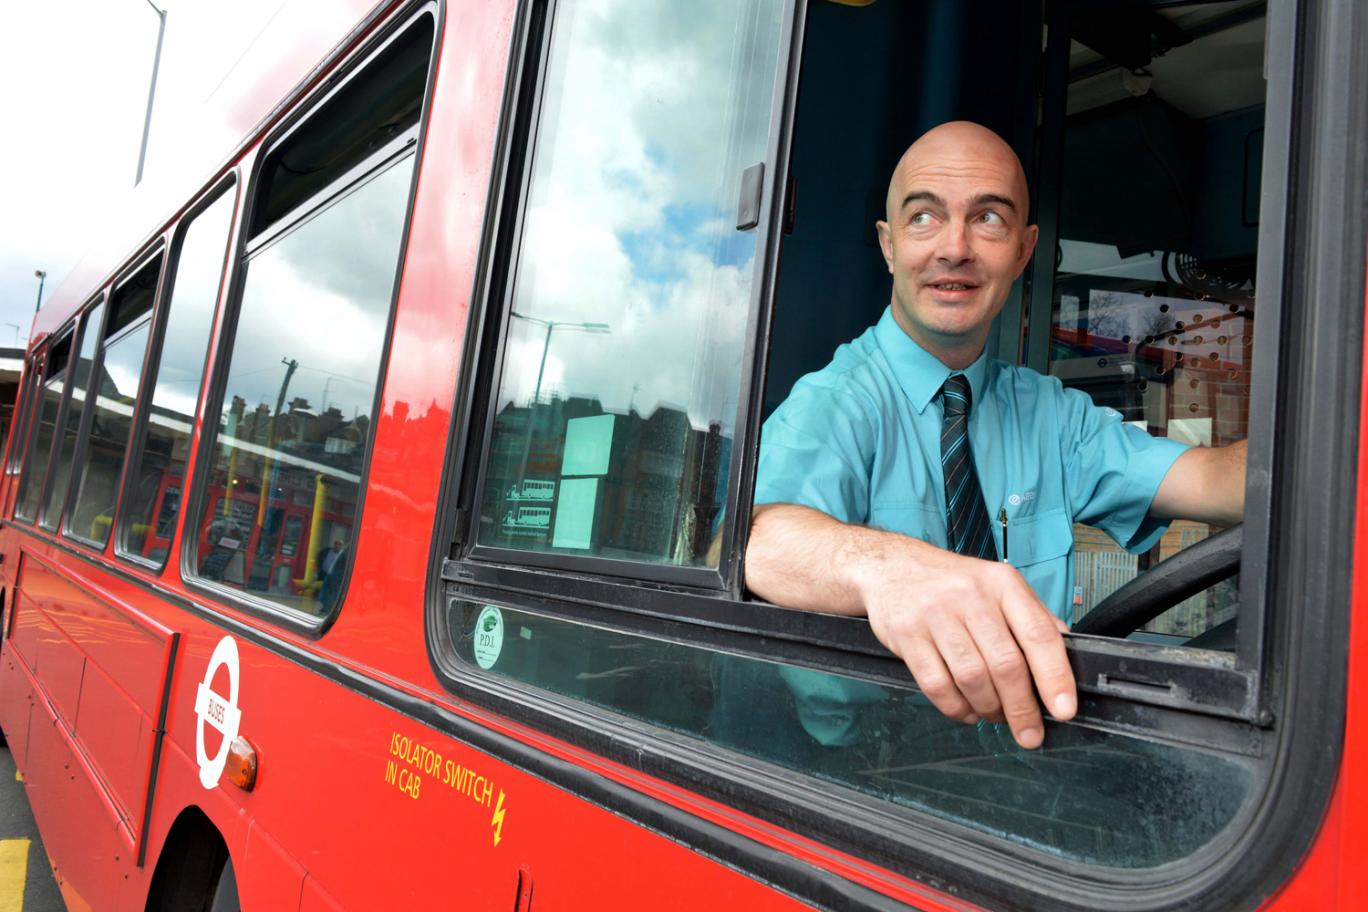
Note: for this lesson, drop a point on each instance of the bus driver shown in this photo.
(886, 478)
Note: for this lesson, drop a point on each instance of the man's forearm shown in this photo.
(1206, 484)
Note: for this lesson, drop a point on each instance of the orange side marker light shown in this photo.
(241, 768)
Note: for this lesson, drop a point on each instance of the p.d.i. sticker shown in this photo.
(489, 634)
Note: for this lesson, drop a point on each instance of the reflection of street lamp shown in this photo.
(551, 326)
(151, 90)
(41, 277)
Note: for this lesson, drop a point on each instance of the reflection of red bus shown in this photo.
(437, 598)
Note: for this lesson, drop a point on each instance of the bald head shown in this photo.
(959, 148)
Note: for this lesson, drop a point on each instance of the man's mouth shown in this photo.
(953, 286)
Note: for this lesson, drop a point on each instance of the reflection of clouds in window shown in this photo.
(123, 366)
(199, 268)
(652, 111)
(307, 300)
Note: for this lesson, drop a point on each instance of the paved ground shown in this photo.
(25, 879)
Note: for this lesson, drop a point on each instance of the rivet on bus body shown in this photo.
(241, 768)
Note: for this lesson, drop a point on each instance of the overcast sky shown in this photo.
(73, 93)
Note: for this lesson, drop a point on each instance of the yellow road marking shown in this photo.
(18, 776)
(13, 869)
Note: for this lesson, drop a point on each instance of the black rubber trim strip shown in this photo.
(752, 859)
(159, 737)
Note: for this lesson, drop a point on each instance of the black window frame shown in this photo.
(1306, 387)
(411, 142)
(18, 436)
(148, 255)
(229, 184)
(72, 332)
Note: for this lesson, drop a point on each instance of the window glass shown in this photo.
(617, 393)
(24, 417)
(289, 446)
(153, 499)
(1089, 796)
(116, 393)
(1153, 304)
(71, 422)
(49, 404)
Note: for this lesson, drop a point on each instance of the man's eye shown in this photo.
(992, 218)
(921, 218)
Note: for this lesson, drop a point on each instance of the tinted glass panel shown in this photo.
(1153, 310)
(116, 394)
(617, 396)
(71, 422)
(291, 440)
(49, 404)
(1094, 797)
(153, 498)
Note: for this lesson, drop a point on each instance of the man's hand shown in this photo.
(973, 634)
(976, 638)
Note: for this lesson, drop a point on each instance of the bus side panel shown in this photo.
(16, 703)
(105, 673)
(79, 832)
(349, 788)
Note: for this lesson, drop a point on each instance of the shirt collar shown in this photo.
(920, 373)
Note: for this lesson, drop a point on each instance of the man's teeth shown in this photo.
(952, 286)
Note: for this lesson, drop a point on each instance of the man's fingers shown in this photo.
(935, 681)
(1042, 644)
(1011, 677)
(967, 666)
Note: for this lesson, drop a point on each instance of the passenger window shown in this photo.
(155, 479)
(1153, 279)
(49, 406)
(116, 395)
(71, 420)
(616, 402)
(285, 460)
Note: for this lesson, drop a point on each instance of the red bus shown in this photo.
(376, 505)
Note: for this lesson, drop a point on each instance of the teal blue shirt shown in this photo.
(860, 441)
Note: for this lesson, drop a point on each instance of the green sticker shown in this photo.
(489, 633)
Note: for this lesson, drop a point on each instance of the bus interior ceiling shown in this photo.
(1158, 155)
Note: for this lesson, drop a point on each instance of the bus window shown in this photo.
(48, 409)
(616, 404)
(71, 422)
(152, 503)
(1152, 280)
(115, 392)
(284, 464)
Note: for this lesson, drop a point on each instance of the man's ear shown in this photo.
(1028, 243)
(886, 243)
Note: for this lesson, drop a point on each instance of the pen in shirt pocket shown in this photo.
(1002, 518)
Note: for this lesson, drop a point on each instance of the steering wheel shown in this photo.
(1152, 593)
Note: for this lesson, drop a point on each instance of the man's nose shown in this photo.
(954, 246)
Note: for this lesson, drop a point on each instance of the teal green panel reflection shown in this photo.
(575, 513)
(588, 441)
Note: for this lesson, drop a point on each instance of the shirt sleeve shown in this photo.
(1113, 470)
(816, 450)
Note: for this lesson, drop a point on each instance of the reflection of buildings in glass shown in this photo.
(655, 496)
(310, 463)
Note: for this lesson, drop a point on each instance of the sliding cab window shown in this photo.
(113, 387)
(613, 415)
(621, 346)
(281, 467)
(48, 408)
(156, 475)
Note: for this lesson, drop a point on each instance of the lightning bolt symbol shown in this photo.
(497, 820)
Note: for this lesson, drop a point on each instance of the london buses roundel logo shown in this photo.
(216, 710)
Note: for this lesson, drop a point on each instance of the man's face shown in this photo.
(956, 238)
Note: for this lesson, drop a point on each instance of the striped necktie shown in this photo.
(966, 518)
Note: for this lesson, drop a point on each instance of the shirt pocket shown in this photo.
(1039, 545)
(1038, 537)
